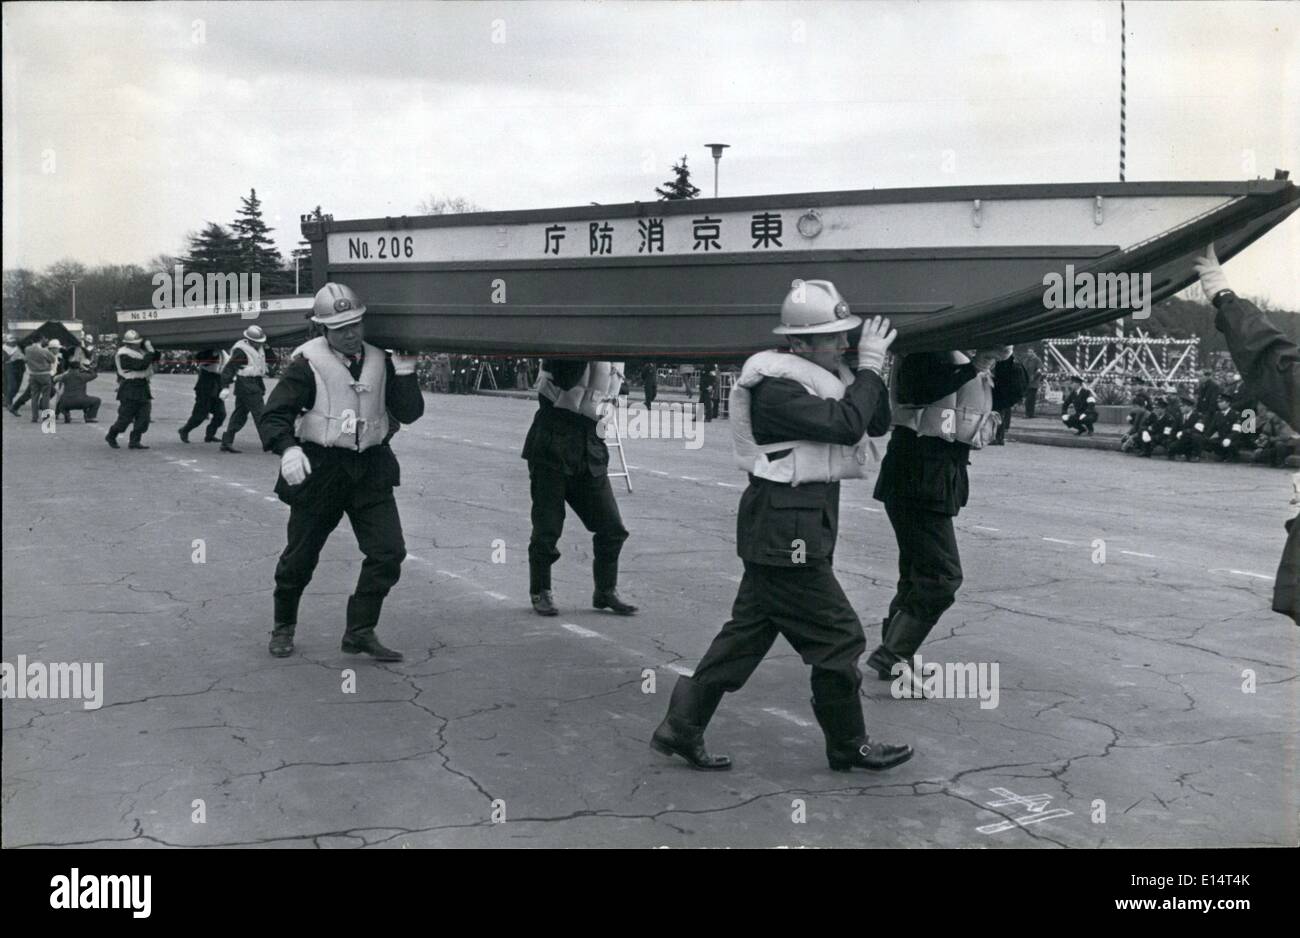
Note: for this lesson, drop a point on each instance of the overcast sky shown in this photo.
(158, 117)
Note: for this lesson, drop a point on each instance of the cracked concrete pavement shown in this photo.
(1120, 682)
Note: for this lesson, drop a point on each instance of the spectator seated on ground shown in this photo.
(1275, 441)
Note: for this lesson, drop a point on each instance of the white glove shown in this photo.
(227, 393)
(1227, 442)
(877, 336)
(1146, 437)
(1065, 418)
(148, 346)
(1200, 428)
(402, 364)
(1212, 279)
(294, 465)
(986, 358)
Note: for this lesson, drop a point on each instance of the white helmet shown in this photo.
(255, 334)
(337, 305)
(56, 345)
(132, 337)
(815, 306)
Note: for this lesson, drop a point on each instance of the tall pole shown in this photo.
(717, 149)
(1123, 82)
(74, 299)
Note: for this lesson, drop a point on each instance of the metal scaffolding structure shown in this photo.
(1161, 361)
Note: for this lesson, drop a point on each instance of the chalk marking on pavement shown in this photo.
(985, 527)
(579, 630)
(454, 576)
(1057, 540)
(1136, 553)
(868, 508)
(658, 472)
(496, 595)
(688, 478)
(1258, 576)
(727, 485)
(734, 579)
(272, 498)
(678, 669)
(787, 715)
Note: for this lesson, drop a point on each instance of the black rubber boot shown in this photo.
(608, 599)
(363, 616)
(847, 744)
(682, 731)
(281, 645)
(544, 603)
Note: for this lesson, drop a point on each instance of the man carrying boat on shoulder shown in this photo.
(246, 369)
(945, 405)
(568, 462)
(800, 422)
(329, 420)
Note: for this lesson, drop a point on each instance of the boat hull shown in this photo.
(952, 267)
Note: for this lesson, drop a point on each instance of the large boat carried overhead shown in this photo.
(953, 267)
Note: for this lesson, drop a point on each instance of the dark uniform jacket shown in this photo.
(772, 514)
(925, 470)
(74, 385)
(134, 390)
(332, 465)
(1081, 402)
(208, 383)
(1269, 363)
(561, 440)
(1171, 421)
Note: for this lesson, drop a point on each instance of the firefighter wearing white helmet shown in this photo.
(568, 463)
(133, 362)
(801, 419)
(246, 370)
(945, 404)
(330, 419)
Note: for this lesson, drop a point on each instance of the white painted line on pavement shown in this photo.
(1057, 540)
(658, 472)
(727, 485)
(689, 478)
(1136, 553)
(678, 669)
(1258, 576)
(579, 630)
(272, 498)
(454, 576)
(496, 595)
(787, 715)
(985, 527)
(867, 508)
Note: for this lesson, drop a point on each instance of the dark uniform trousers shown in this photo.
(929, 565)
(342, 483)
(134, 408)
(806, 605)
(592, 499)
(207, 403)
(568, 465)
(249, 400)
(88, 404)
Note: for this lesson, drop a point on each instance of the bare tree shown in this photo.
(447, 205)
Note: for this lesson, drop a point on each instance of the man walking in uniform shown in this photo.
(1034, 375)
(40, 362)
(945, 407)
(134, 363)
(247, 369)
(799, 424)
(207, 398)
(329, 420)
(568, 463)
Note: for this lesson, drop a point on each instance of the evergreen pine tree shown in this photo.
(680, 186)
(214, 250)
(257, 252)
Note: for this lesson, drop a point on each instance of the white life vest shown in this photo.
(965, 416)
(600, 382)
(350, 414)
(807, 461)
(256, 367)
(123, 374)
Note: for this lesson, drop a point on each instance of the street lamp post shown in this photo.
(74, 299)
(717, 149)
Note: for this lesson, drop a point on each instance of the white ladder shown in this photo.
(625, 475)
(484, 368)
